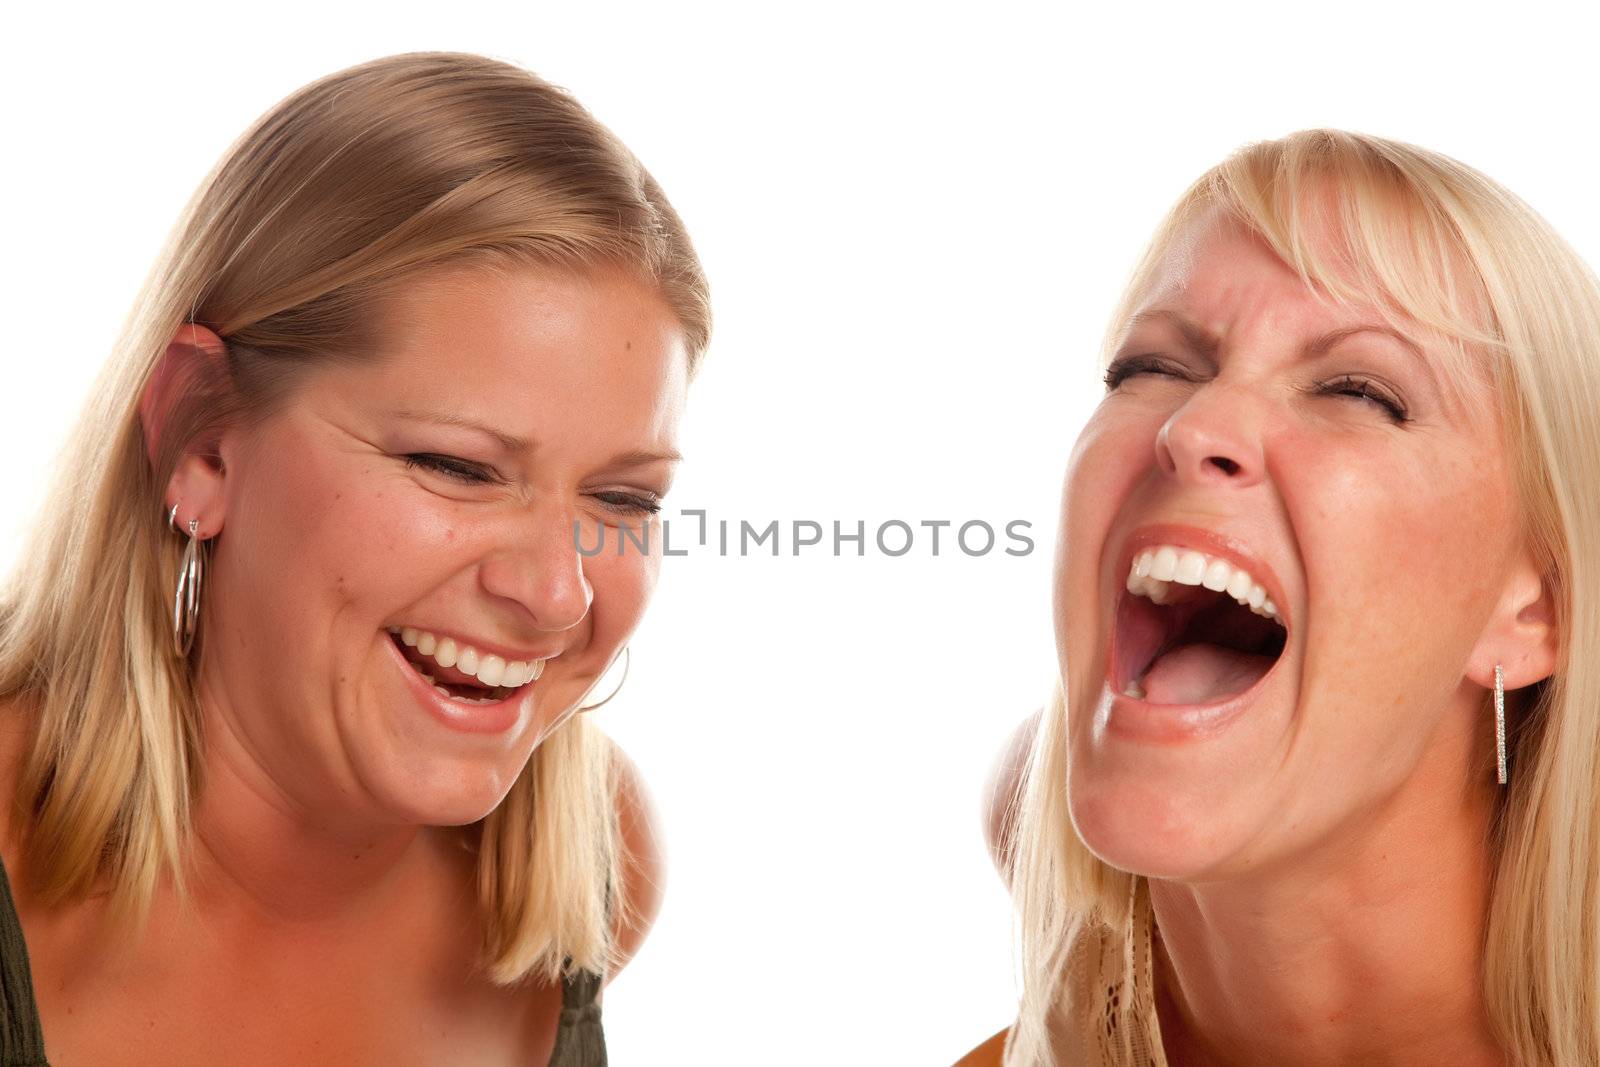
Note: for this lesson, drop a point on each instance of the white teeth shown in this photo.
(1134, 690)
(1148, 587)
(520, 673)
(1239, 585)
(1155, 571)
(491, 671)
(1191, 567)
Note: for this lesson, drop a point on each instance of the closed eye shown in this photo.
(458, 469)
(1361, 388)
(629, 503)
(1355, 386)
(1128, 366)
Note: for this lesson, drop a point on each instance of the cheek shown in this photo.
(622, 587)
(1394, 543)
(337, 529)
(1111, 455)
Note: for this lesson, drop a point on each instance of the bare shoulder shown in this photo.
(642, 865)
(989, 1054)
(1002, 798)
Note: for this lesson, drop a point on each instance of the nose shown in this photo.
(1213, 440)
(543, 572)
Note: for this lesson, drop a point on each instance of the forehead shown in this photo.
(601, 328)
(1226, 281)
(552, 357)
(1221, 286)
(1216, 265)
(527, 314)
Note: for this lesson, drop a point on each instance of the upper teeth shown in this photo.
(490, 670)
(1156, 569)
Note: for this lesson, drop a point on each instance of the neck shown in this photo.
(263, 855)
(254, 852)
(1369, 952)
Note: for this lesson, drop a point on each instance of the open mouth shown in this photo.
(1192, 629)
(461, 686)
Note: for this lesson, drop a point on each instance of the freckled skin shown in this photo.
(328, 883)
(1317, 867)
(329, 536)
(1379, 534)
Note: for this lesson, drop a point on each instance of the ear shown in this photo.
(194, 355)
(1521, 635)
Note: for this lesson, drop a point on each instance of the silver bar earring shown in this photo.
(1500, 720)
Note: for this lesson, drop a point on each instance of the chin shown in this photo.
(1142, 828)
(453, 796)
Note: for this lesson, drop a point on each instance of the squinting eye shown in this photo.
(1128, 366)
(449, 466)
(1349, 385)
(1360, 388)
(629, 503)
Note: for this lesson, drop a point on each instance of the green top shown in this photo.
(580, 1041)
(21, 1039)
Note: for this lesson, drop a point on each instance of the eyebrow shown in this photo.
(1207, 343)
(634, 457)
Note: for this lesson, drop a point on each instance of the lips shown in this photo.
(1184, 648)
(492, 717)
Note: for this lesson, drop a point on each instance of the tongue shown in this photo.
(1202, 674)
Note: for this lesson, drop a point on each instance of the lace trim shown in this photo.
(1111, 992)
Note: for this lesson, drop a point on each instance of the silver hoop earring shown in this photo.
(1500, 720)
(186, 600)
(627, 661)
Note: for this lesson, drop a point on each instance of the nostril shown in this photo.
(1226, 465)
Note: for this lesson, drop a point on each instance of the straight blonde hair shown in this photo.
(289, 250)
(1410, 233)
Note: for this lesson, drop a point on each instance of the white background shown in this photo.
(915, 219)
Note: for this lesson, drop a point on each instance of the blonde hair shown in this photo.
(1408, 232)
(338, 196)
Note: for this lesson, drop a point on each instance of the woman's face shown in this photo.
(1332, 470)
(436, 490)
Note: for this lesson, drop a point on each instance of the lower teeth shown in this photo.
(466, 700)
(496, 695)
(1134, 690)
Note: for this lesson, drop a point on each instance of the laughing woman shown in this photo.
(1336, 510)
(294, 665)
